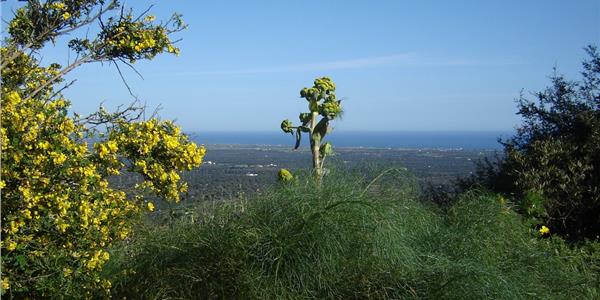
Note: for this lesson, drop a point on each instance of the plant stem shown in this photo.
(315, 147)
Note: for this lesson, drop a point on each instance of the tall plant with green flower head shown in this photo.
(323, 107)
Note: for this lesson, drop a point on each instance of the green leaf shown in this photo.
(21, 261)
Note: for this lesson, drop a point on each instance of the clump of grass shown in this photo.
(486, 251)
(349, 238)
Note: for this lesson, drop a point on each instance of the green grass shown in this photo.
(348, 242)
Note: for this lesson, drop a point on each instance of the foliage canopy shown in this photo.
(552, 165)
(60, 211)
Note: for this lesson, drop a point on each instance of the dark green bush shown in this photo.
(555, 154)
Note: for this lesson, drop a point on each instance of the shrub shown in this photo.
(485, 250)
(351, 239)
(296, 241)
(59, 211)
(556, 154)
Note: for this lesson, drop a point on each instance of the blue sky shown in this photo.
(400, 65)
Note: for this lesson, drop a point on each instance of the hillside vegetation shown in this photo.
(551, 167)
(350, 238)
(526, 226)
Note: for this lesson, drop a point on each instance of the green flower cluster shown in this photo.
(322, 99)
(287, 126)
(285, 176)
(330, 108)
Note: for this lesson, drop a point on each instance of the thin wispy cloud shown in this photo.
(399, 60)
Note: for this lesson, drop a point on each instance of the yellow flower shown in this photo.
(113, 171)
(89, 171)
(58, 5)
(66, 15)
(58, 158)
(67, 272)
(43, 145)
(106, 284)
(150, 125)
(544, 230)
(173, 176)
(142, 165)
(12, 98)
(171, 142)
(112, 146)
(2, 184)
(102, 151)
(150, 206)
(26, 213)
(149, 18)
(123, 233)
(92, 263)
(11, 246)
(13, 228)
(62, 227)
(5, 283)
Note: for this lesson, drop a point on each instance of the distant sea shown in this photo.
(479, 140)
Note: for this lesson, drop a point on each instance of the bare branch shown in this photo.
(155, 112)
(132, 112)
(66, 86)
(143, 13)
(66, 70)
(132, 67)
(124, 81)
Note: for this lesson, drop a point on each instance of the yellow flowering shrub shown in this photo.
(60, 213)
(155, 149)
(137, 39)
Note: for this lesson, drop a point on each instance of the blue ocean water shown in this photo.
(400, 139)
